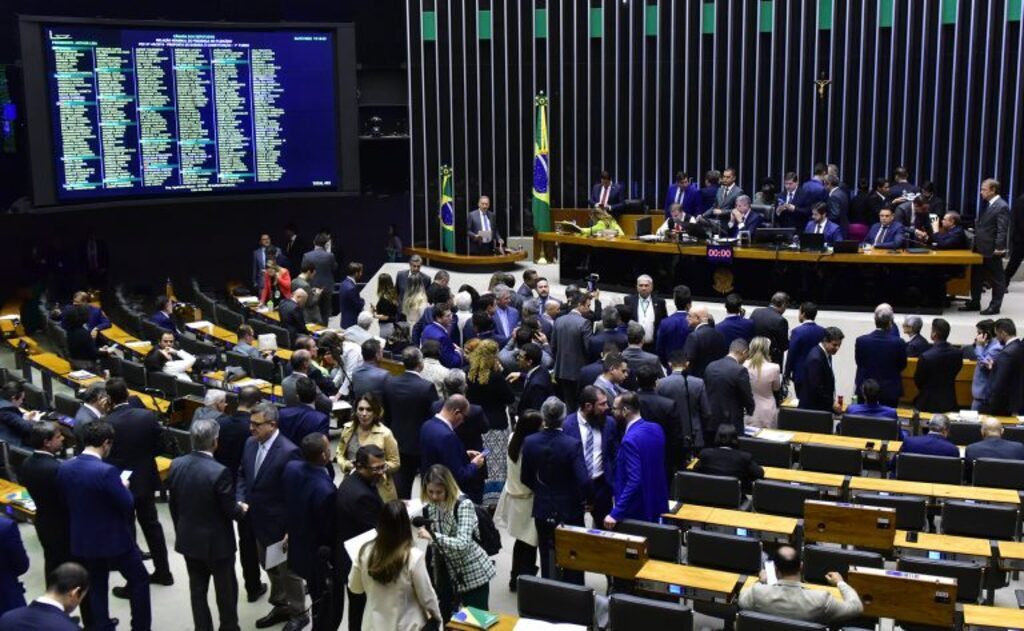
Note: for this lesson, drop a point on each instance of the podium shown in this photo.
(857, 525)
(599, 551)
(905, 596)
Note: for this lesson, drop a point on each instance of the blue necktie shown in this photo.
(261, 453)
(588, 451)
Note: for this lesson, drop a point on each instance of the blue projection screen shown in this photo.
(139, 112)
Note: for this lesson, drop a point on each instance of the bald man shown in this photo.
(439, 444)
(704, 344)
(992, 445)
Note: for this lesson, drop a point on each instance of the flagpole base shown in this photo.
(542, 260)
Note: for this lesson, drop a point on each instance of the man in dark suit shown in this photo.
(684, 192)
(641, 491)
(554, 469)
(607, 194)
(350, 303)
(728, 387)
(726, 197)
(936, 373)
(13, 563)
(38, 474)
(292, 317)
(743, 219)
(951, 237)
(646, 309)
(691, 401)
(302, 366)
(991, 445)
(724, 457)
(882, 357)
(439, 330)
(439, 444)
(661, 410)
(413, 275)
(95, 404)
(101, 507)
(203, 505)
(569, 344)
(838, 203)
(916, 343)
(537, 386)
(1006, 381)
(595, 429)
(66, 588)
(369, 376)
(97, 321)
(786, 214)
(804, 338)
(636, 357)
(934, 443)
(704, 344)
(311, 525)
(407, 400)
(770, 322)
(259, 262)
(818, 391)
(734, 325)
(609, 333)
(298, 420)
(325, 263)
(264, 497)
(822, 224)
(673, 330)
(162, 316)
(887, 234)
(991, 241)
(358, 507)
(483, 232)
(294, 247)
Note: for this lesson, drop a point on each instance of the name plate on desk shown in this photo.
(599, 551)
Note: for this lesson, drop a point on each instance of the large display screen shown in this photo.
(147, 112)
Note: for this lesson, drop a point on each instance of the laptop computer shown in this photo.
(846, 246)
(643, 226)
(812, 241)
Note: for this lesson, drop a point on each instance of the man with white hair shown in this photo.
(360, 331)
(916, 343)
(705, 343)
(934, 443)
(463, 314)
(291, 312)
(882, 357)
(991, 445)
(646, 308)
(506, 317)
(742, 218)
(215, 403)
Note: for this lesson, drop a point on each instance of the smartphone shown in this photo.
(770, 578)
(592, 282)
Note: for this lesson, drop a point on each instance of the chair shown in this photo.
(284, 340)
(238, 360)
(753, 621)
(819, 560)
(869, 427)
(663, 540)
(988, 521)
(165, 383)
(631, 612)
(1014, 432)
(58, 337)
(35, 398)
(969, 575)
(227, 318)
(783, 498)
(719, 551)
(555, 601)
(797, 420)
(722, 491)
(999, 473)
(206, 305)
(829, 459)
(911, 510)
(175, 442)
(768, 453)
(16, 456)
(266, 370)
(152, 332)
(6, 467)
(134, 374)
(65, 405)
(186, 388)
(963, 433)
(924, 468)
(198, 348)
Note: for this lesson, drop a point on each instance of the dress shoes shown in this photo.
(256, 595)
(161, 579)
(990, 310)
(296, 623)
(970, 306)
(277, 615)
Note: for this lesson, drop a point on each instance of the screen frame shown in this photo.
(42, 160)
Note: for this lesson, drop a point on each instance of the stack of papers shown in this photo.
(526, 624)
(81, 375)
(775, 435)
(248, 300)
(200, 325)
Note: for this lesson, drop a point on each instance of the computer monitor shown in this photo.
(774, 236)
(812, 241)
(643, 226)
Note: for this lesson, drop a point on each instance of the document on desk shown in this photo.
(775, 435)
(276, 555)
(526, 624)
(203, 325)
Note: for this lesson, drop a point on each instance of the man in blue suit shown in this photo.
(607, 194)
(259, 262)
(595, 430)
(734, 325)
(439, 330)
(950, 235)
(641, 491)
(609, 333)
(886, 234)
(801, 341)
(13, 563)
(506, 317)
(162, 316)
(350, 302)
(263, 494)
(686, 193)
(934, 443)
(991, 445)
(742, 218)
(838, 203)
(812, 191)
(554, 469)
(790, 210)
(822, 224)
(66, 588)
(439, 444)
(882, 357)
(298, 420)
(674, 329)
(102, 510)
(97, 319)
(869, 405)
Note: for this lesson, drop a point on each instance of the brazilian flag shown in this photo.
(541, 196)
(447, 210)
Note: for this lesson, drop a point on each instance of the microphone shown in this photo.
(422, 522)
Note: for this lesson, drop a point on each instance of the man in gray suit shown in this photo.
(405, 277)
(369, 377)
(636, 356)
(789, 599)
(691, 400)
(95, 404)
(302, 363)
(484, 237)
(725, 199)
(323, 277)
(991, 231)
(570, 339)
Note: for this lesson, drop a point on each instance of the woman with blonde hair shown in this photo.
(765, 381)
(415, 299)
(366, 429)
(394, 576)
(489, 389)
(604, 224)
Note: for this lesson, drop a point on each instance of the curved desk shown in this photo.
(468, 260)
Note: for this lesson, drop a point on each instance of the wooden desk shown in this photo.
(827, 481)
(885, 485)
(506, 622)
(687, 581)
(849, 442)
(163, 467)
(905, 596)
(849, 524)
(55, 365)
(1011, 555)
(946, 546)
(977, 493)
(907, 413)
(17, 510)
(467, 260)
(218, 377)
(962, 384)
(119, 336)
(770, 528)
(982, 617)
(599, 551)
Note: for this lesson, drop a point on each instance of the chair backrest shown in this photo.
(555, 601)
(237, 359)
(1003, 474)
(989, 521)
(748, 620)
(797, 420)
(5, 376)
(227, 318)
(152, 332)
(722, 491)
(783, 498)
(911, 510)
(66, 405)
(134, 374)
(964, 432)
(175, 442)
(265, 369)
(284, 339)
(718, 551)
(1014, 432)
(631, 612)
(819, 560)
(186, 388)
(165, 383)
(869, 427)
(969, 575)
(206, 305)
(925, 468)
(16, 456)
(6, 467)
(58, 337)
(35, 398)
(664, 541)
(768, 453)
(198, 348)
(829, 459)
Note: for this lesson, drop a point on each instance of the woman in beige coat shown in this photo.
(515, 506)
(367, 429)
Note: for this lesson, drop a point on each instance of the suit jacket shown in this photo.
(790, 599)
(440, 445)
(818, 388)
(704, 345)
(991, 228)
(661, 410)
(733, 462)
(692, 406)
(501, 335)
(660, 311)
(292, 317)
(97, 319)
(881, 357)
(892, 240)
(402, 283)
(1006, 381)
(773, 325)
(475, 226)
(672, 334)
(136, 445)
(311, 520)
(598, 340)
(234, 432)
(690, 199)
(407, 399)
(725, 199)
(935, 377)
(641, 490)
(872, 409)
(536, 390)
(616, 199)
(165, 322)
(930, 444)
(729, 393)
(589, 374)
(751, 223)
(14, 427)
(259, 263)
(736, 326)
(805, 337)
(554, 469)
(839, 209)
(321, 403)
(13, 563)
(202, 503)
(368, 378)
(916, 346)
(450, 356)
(100, 507)
(299, 420)
(38, 474)
(265, 492)
(570, 342)
(810, 193)
(37, 617)
(994, 448)
(635, 358)
(325, 263)
(952, 239)
(609, 443)
(832, 230)
(350, 302)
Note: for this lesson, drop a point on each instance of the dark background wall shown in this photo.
(646, 88)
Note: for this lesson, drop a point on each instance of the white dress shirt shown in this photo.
(645, 316)
(597, 463)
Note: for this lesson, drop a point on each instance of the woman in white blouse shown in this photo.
(765, 381)
(394, 576)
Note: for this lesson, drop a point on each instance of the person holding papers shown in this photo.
(602, 224)
(484, 237)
